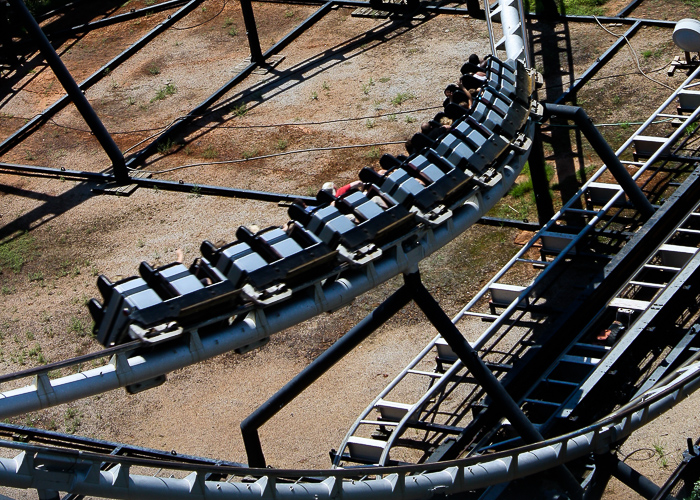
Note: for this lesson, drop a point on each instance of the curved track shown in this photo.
(236, 296)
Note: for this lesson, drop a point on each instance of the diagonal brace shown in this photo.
(603, 149)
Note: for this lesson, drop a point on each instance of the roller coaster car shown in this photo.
(409, 188)
(268, 264)
(379, 217)
(455, 111)
(470, 145)
(511, 78)
(337, 231)
(446, 184)
(154, 306)
(293, 257)
(498, 113)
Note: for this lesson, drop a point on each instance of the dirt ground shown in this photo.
(346, 81)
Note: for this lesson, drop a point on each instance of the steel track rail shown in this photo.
(124, 371)
(149, 368)
(54, 469)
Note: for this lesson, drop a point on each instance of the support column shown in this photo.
(600, 145)
(251, 30)
(88, 113)
(493, 387)
(319, 366)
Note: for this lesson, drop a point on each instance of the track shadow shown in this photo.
(286, 80)
(280, 82)
(550, 41)
(22, 51)
(52, 207)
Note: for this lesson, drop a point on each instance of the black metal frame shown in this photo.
(121, 166)
(412, 290)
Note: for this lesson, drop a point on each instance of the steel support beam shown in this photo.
(76, 95)
(249, 427)
(600, 145)
(493, 387)
(603, 19)
(183, 187)
(628, 8)
(251, 31)
(598, 64)
(28, 127)
(633, 479)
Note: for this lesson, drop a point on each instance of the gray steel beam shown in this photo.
(661, 23)
(183, 187)
(380, 315)
(260, 324)
(598, 64)
(79, 473)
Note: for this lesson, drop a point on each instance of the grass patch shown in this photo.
(71, 419)
(76, 326)
(374, 153)
(16, 252)
(401, 98)
(239, 108)
(165, 146)
(572, 7)
(247, 155)
(367, 86)
(210, 153)
(164, 92)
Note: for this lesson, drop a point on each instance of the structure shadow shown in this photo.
(550, 41)
(279, 83)
(286, 80)
(52, 207)
(28, 61)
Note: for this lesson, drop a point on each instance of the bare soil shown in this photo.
(346, 81)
